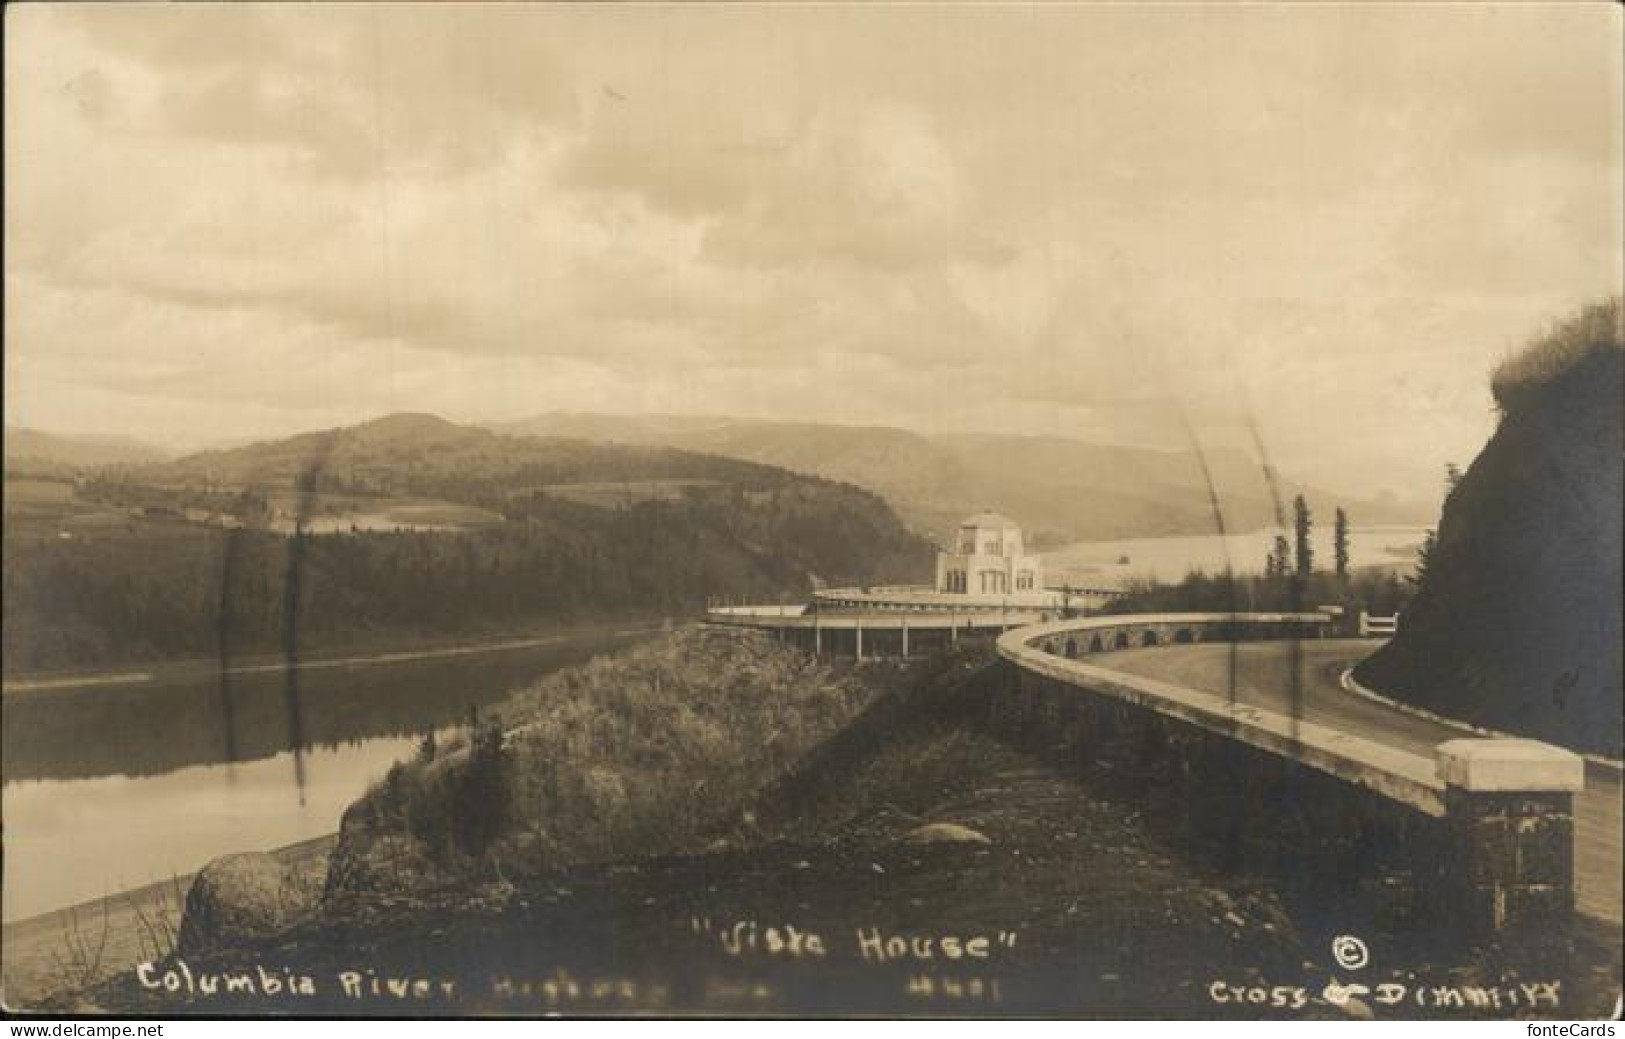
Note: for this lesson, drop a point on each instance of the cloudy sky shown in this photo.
(1111, 222)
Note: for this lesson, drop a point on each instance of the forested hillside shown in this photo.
(425, 455)
(1061, 489)
(1517, 624)
(95, 580)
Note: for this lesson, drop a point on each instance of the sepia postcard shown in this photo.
(817, 510)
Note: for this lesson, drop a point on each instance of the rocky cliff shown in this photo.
(1517, 623)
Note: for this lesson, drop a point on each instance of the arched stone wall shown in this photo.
(1103, 634)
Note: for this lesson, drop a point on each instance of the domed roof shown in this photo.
(987, 519)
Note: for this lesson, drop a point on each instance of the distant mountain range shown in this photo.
(420, 454)
(36, 449)
(1060, 489)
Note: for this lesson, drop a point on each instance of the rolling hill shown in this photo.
(37, 452)
(244, 550)
(425, 454)
(1061, 489)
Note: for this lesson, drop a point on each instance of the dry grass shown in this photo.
(79, 961)
(95, 941)
(1568, 347)
(158, 919)
(647, 752)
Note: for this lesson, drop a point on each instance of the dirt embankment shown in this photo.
(911, 863)
(946, 874)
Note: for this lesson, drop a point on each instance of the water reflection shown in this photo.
(113, 787)
(69, 841)
(157, 727)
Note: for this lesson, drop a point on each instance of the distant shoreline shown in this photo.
(264, 663)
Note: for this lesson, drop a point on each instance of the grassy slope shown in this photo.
(652, 751)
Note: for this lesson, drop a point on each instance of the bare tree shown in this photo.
(79, 961)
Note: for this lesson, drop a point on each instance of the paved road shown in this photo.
(1264, 678)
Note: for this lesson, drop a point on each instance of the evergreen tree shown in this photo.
(1340, 543)
(1424, 556)
(1279, 560)
(1302, 523)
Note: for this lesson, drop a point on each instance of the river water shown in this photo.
(108, 788)
(1113, 563)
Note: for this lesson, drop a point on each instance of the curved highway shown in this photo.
(1265, 678)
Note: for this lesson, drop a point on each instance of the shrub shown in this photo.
(1568, 350)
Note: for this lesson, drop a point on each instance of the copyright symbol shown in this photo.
(1350, 952)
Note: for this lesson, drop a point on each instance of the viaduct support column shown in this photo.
(1510, 814)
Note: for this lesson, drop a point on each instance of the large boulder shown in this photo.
(248, 898)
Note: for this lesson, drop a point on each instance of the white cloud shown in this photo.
(237, 220)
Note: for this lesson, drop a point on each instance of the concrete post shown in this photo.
(859, 630)
(1510, 812)
(905, 638)
(818, 637)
